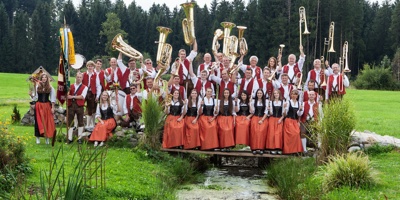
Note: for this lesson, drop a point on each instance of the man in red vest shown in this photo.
(153, 89)
(201, 84)
(224, 82)
(248, 83)
(336, 84)
(173, 84)
(91, 80)
(284, 86)
(206, 65)
(100, 73)
(309, 116)
(305, 95)
(132, 110)
(184, 62)
(267, 85)
(256, 70)
(319, 76)
(76, 102)
(114, 74)
(294, 69)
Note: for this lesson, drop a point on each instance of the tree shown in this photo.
(21, 42)
(110, 28)
(395, 27)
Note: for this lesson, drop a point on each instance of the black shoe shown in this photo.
(261, 152)
(69, 142)
(254, 152)
(80, 141)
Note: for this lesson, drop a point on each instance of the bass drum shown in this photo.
(80, 61)
(120, 102)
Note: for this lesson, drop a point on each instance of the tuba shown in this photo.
(188, 23)
(227, 38)
(164, 51)
(119, 44)
(218, 35)
(230, 45)
(303, 19)
(242, 41)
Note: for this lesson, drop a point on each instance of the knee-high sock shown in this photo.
(93, 120)
(70, 133)
(80, 132)
(37, 140)
(304, 144)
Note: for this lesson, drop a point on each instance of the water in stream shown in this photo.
(229, 183)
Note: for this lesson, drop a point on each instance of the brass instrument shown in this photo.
(188, 23)
(345, 57)
(331, 36)
(280, 50)
(213, 66)
(233, 69)
(164, 51)
(227, 39)
(299, 81)
(119, 44)
(218, 35)
(303, 19)
(242, 41)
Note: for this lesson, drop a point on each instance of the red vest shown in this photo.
(305, 96)
(180, 72)
(306, 108)
(136, 104)
(249, 87)
(181, 91)
(313, 76)
(119, 74)
(124, 79)
(290, 87)
(258, 71)
(269, 86)
(199, 85)
(296, 72)
(80, 102)
(101, 78)
(231, 87)
(85, 81)
(338, 81)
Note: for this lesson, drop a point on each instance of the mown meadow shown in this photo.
(133, 174)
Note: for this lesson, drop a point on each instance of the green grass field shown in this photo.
(129, 175)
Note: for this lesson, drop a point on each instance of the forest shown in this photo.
(30, 29)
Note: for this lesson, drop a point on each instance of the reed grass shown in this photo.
(153, 118)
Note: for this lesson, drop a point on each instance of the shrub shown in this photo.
(352, 170)
(15, 116)
(335, 128)
(375, 78)
(378, 149)
(153, 118)
(293, 178)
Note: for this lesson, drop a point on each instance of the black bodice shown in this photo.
(208, 110)
(175, 110)
(243, 110)
(259, 111)
(277, 110)
(192, 112)
(106, 114)
(43, 97)
(292, 112)
(225, 111)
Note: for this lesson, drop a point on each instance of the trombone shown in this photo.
(303, 19)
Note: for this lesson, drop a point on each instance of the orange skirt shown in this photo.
(192, 133)
(242, 130)
(274, 135)
(208, 133)
(45, 119)
(173, 132)
(102, 132)
(258, 133)
(226, 131)
(291, 137)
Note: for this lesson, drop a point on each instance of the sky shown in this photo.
(146, 4)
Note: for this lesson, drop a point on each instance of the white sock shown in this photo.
(47, 141)
(88, 121)
(37, 140)
(304, 143)
(70, 133)
(96, 143)
(80, 132)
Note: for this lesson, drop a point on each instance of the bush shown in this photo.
(15, 116)
(352, 170)
(335, 128)
(375, 78)
(378, 149)
(293, 178)
(153, 118)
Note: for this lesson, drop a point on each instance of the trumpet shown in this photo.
(345, 57)
(303, 19)
(243, 48)
(331, 36)
(164, 51)
(188, 23)
(119, 44)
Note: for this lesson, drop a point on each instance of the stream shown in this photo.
(229, 183)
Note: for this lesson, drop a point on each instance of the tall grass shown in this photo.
(153, 118)
(352, 170)
(335, 128)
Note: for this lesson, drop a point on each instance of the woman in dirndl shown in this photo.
(259, 123)
(226, 118)
(208, 124)
(291, 126)
(274, 141)
(191, 140)
(242, 122)
(174, 127)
